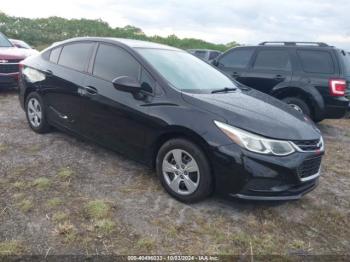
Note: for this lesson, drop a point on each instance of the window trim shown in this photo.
(271, 69)
(316, 50)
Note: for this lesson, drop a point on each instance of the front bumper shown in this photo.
(243, 174)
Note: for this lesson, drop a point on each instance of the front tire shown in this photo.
(184, 171)
(36, 114)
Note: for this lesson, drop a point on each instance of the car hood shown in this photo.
(258, 113)
(14, 53)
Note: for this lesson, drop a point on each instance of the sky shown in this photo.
(221, 21)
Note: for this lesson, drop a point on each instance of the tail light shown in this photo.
(337, 87)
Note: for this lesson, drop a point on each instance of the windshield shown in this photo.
(186, 72)
(21, 44)
(4, 42)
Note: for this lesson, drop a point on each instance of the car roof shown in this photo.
(132, 43)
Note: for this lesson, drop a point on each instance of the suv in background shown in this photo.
(205, 54)
(311, 77)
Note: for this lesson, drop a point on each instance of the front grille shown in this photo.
(9, 68)
(308, 145)
(309, 167)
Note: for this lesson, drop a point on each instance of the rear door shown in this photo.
(235, 63)
(270, 67)
(65, 73)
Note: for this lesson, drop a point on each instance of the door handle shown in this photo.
(279, 77)
(91, 90)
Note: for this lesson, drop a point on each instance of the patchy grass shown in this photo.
(25, 205)
(97, 209)
(17, 171)
(54, 202)
(42, 183)
(67, 230)
(11, 247)
(19, 185)
(146, 243)
(105, 226)
(3, 148)
(65, 173)
(59, 216)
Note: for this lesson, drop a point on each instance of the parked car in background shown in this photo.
(164, 107)
(313, 78)
(10, 56)
(205, 54)
(20, 44)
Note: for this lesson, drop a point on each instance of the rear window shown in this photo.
(272, 60)
(238, 58)
(75, 56)
(316, 61)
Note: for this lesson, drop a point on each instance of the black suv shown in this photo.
(311, 77)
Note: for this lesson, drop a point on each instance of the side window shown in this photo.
(213, 55)
(272, 60)
(76, 56)
(316, 61)
(55, 54)
(147, 81)
(112, 61)
(237, 58)
(201, 54)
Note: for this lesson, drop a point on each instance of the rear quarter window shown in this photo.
(55, 54)
(314, 61)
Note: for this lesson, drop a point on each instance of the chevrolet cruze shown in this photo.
(159, 105)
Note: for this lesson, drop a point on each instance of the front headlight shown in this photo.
(255, 143)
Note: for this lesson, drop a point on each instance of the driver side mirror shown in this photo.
(215, 62)
(127, 84)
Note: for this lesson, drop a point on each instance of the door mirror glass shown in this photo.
(127, 84)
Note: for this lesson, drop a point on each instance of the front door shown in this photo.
(115, 118)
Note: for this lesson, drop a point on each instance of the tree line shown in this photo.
(42, 32)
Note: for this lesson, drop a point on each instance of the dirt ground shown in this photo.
(60, 195)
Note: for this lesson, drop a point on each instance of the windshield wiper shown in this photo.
(224, 90)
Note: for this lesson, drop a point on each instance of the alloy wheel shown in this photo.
(34, 112)
(181, 172)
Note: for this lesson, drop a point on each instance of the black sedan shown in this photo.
(172, 111)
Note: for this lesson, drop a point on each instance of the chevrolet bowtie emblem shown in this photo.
(3, 61)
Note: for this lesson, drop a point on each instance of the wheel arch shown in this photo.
(309, 94)
(173, 132)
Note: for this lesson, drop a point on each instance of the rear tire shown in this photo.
(183, 170)
(298, 104)
(36, 113)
